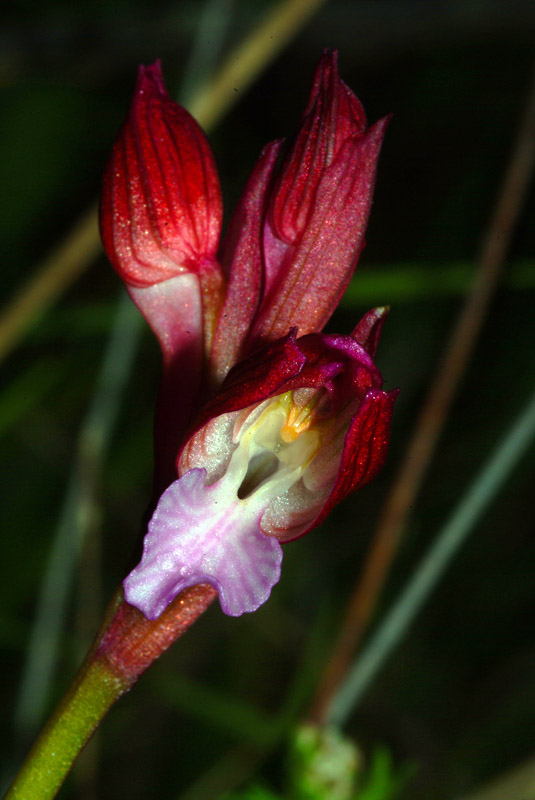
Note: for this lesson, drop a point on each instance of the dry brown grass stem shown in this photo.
(50, 278)
(436, 407)
(250, 58)
(517, 783)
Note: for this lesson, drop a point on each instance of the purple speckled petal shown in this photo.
(202, 534)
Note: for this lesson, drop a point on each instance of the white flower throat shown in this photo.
(205, 532)
(274, 450)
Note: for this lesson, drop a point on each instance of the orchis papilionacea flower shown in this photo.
(263, 422)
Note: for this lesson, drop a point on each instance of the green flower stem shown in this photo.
(125, 646)
(93, 692)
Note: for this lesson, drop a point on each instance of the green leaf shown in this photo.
(323, 765)
(382, 780)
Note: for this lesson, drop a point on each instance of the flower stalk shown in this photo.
(89, 697)
(127, 644)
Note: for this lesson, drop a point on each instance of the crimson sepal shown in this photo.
(365, 448)
(338, 364)
(368, 331)
(264, 374)
(305, 281)
(161, 205)
(333, 115)
(297, 234)
(241, 259)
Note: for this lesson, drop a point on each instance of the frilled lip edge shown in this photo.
(291, 363)
(196, 537)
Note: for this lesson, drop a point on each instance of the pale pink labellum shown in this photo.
(199, 534)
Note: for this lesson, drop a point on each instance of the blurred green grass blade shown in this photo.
(75, 515)
(383, 780)
(224, 775)
(463, 520)
(77, 509)
(407, 282)
(28, 390)
(306, 674)
(227, 712)
(214, 22)
(379, 283)
(252, 793)
(87, 320)
(221, 711)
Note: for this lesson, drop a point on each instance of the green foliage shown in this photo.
(254, 793)
(382, 780)
(323, 764)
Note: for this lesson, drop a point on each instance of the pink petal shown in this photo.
(242, 261)
(333, 115)
(313, 277)
(199, 535)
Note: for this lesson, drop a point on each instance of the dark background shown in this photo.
(457, 698)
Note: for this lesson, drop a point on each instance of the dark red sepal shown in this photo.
(365, 448)
(161, 209)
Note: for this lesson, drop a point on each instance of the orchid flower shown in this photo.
(263, 422)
